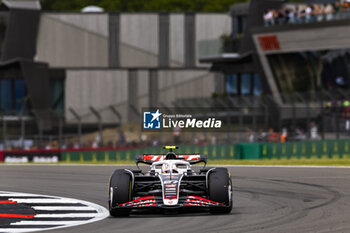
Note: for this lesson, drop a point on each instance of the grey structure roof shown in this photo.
(22, 4)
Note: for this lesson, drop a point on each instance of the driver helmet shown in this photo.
(170, 155)
(166, 168)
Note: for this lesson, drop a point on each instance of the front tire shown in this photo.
(220, 190)
(120, 191)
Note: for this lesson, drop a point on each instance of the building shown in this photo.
(60, 69)
(297, 53)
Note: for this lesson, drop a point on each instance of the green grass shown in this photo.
(291, 162)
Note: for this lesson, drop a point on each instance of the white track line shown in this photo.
(83, 215)
(17, 195)
(15, 230)
(36, 200)
(56, 222)
(62, 208)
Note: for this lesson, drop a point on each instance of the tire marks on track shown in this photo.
(290, 205)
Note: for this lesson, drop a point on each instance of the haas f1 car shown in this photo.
(170, 184)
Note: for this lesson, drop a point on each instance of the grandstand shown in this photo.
(298, 59)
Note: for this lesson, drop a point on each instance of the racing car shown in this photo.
(170, 184)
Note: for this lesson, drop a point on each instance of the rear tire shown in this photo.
(120, 191)
(220, 190)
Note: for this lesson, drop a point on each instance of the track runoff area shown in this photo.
(25, 212)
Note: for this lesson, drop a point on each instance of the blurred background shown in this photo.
(76, 74)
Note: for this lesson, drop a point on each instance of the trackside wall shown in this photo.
(290, 150)
(326, 149)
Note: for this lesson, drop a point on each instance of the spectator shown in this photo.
(94, 144)
(303, 13)
(328, 12)
(268, 18)
(155, 142)
(213, 140)
(250, 135)
(313, 131)
(273, 136)
(177, 134)
(346, 115)
(76, 145)
(281, 17)
(308, 14)
(291, 16)
(262, 136)
(299, 135)
(284, 135)
(48, 147)
(318, 11)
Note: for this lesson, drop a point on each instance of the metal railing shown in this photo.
(301, 116)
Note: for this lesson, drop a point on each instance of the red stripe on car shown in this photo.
(203, 199)
(138, 199)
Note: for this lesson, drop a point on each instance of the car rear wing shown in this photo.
(191, 158)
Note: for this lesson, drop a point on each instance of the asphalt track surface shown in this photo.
(266, 199)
